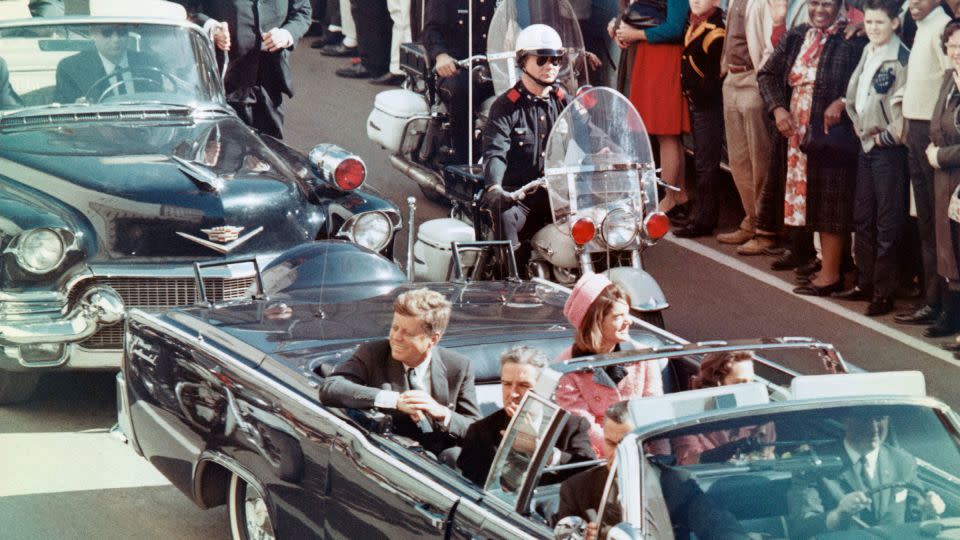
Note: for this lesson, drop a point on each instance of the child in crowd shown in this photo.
(701, 82)
(874, 102)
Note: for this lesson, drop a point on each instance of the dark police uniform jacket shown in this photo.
(516, 135)
(446, 27)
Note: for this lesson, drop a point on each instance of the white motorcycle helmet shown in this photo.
(538, 40)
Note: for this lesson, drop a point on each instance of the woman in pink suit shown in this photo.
(600, 311)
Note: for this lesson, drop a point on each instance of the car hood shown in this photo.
(139, 187)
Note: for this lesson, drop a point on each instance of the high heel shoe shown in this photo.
(813, 290)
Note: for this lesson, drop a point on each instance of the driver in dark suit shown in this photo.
(818, 504)
(428, 390)
(109, 66)
(8, 96)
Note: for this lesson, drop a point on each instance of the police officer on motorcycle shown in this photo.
(515, 138)
(445, 37)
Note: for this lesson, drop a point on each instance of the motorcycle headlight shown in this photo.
(619, 228)
(39, 251)
(371, 230)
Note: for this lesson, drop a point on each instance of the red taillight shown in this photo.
(583, 230)
(656, 225)
(350, 174)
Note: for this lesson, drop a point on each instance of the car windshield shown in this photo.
(106, 65)
(782, 475)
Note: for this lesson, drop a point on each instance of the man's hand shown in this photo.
(221, 36)
(592, 532)
(276, 39)
(786, 124)
(446, 65)
(612, 27)
(850, 505)
(593, 61)
(417, 402)
(626, 35)
(495, 196)
(935, 502)
(852, 30)
(778, 10)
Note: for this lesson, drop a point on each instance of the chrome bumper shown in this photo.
(123, 415)
(98, 306)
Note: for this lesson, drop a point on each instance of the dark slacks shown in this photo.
(374, 29)
(518, 223)
(262, 110)
(921, 178)
(707, 123)
(879, 215)
(454, 91)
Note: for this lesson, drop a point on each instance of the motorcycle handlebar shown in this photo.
(526, 189)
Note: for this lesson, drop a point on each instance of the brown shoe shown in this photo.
(738, 236)
(758, 245)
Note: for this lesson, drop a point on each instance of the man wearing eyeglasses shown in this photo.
(515, 138)
(107, 70)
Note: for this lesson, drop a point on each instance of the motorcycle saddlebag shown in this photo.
(391, 111)
(463, 182)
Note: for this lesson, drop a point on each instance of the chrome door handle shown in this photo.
(438, 521)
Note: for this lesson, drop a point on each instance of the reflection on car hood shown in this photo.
(137, 184)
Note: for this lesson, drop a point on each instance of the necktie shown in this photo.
(869, 483)
(412, 382)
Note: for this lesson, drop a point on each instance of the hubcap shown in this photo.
(256, 516)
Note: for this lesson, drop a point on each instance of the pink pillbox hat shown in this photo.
(584, 293)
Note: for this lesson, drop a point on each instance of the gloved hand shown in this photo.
(497, 197)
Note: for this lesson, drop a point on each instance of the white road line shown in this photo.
(822, 303)
(33, 463)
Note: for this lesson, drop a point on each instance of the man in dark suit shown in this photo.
(868, 462)
(254, 39)
(687, 507)
(520, 366)
(8, 96)
(428, 390)
(109, 68)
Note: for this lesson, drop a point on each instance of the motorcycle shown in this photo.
(601, 178)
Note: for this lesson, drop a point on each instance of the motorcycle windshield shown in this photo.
(511, 17)
(598, 158)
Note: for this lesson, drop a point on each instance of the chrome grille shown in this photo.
(157, 294)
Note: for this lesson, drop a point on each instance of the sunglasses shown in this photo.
(555, 60)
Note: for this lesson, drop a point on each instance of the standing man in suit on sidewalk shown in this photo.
(428, 390)
(254, 40)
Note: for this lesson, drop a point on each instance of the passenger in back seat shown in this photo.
(520, 367)
(8, 97)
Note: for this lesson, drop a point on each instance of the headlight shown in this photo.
(371, 230)
(40, 251)
(619, 228)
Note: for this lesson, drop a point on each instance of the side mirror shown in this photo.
(570, 528)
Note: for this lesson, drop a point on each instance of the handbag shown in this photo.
(644, 14)
(953, 209)
(839, 144)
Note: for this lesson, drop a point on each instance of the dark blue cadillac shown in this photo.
(109, 197)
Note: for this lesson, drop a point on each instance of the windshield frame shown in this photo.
(210, 81)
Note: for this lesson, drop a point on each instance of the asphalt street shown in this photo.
(62, 475)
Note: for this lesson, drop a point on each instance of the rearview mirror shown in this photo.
(570, 528)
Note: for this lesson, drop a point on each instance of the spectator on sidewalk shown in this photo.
(702, 81)
(374, 27)
(943, 154)
(655, 91)
(400, 15)
(803, 84)
(346, 47)
(924, 74)
(874, 103)
(749, 26)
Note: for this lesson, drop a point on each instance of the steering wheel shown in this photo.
(926, 513)
(143, 75)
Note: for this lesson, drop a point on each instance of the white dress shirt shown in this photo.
(871, 459)
(109, 67)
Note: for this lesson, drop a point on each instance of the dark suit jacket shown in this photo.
(8, 97)
(249, 66)
(810, 498)
(356, 382)
(77, 74)
(582, 492)
(483, 438)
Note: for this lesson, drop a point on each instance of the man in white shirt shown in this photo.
(108, 69)
(924, 74)
(428, 390)
(833, 501)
